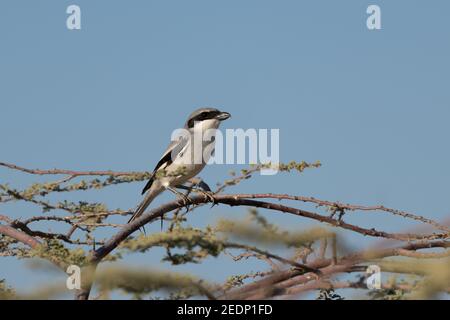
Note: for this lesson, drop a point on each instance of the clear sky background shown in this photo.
(372, 106)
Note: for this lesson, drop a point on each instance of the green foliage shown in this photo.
(82, 206)
(270, 235)
(298, 166)
(285, 167)
(387, 294)
(54, 250)
(282, 167)
(43, 189)
(199, 244)
(143, 281)
(238, 280)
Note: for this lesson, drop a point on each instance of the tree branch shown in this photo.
(19, 236)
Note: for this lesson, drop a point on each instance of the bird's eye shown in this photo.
(203, 116)
(200, 117)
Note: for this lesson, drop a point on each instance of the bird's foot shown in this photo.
(209, 195)
(182, 196)
(203, 189)
(186, 201)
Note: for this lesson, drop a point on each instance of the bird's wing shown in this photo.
(174, 148)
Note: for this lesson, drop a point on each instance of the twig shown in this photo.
(68, 172)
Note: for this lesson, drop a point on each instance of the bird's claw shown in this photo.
(209, 195)
(186, 201)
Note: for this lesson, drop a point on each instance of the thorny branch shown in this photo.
(309, 271)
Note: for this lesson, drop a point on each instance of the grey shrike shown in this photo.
(180, 162)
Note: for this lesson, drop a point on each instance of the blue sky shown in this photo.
(372, 106)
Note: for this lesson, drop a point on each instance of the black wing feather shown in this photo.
(166, 159)
(148, 185)
(176, 147)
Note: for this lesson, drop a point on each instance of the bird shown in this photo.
(179, 163)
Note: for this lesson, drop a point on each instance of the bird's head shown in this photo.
(210, 116)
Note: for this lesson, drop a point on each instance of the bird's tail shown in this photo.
(151, 194)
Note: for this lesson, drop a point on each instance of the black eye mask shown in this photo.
(202, 116)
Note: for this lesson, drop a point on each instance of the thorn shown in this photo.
(142, 229)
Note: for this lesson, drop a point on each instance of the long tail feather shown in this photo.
(151, 194)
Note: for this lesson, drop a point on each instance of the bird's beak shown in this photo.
(223, 116)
